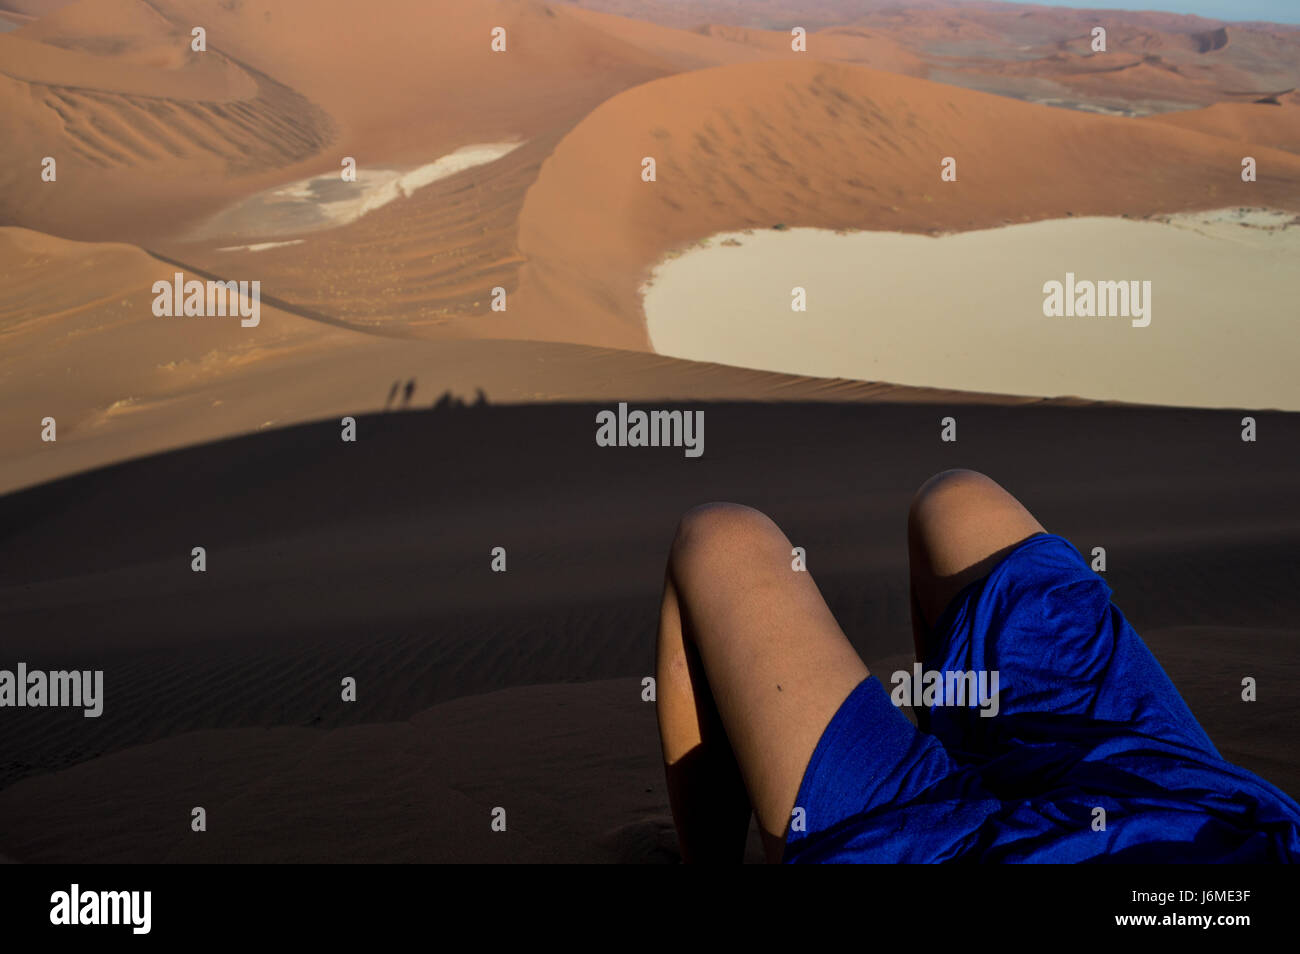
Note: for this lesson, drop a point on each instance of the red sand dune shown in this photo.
(148, 142)
(1264, 123)
(32, 8)
(838, 146)
(149, 137)
(849, 44)
(564, 223)
(567, 223)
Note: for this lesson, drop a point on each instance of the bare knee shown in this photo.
(959, 524)
(714, 534)
(948, 491)
(958, 509)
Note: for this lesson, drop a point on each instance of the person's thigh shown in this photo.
(778, 665)
(960, 525)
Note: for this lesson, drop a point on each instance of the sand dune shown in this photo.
(763, 139)
(567, 227)
(685, 49)
(172, 382)
(757, 145)
(521, 690)
(563, 223)
(152, 139)
(1264, 123)
(59, 336)
(849, 44)
(425, 264)
(413, 791)
(33, 8)
(143, 129)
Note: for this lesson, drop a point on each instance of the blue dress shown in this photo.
(1092, 754)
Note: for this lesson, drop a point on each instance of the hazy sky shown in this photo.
(1278, 11)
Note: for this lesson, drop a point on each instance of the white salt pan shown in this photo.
(965, 310)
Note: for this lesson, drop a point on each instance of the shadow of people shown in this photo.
(408, 392)
(392, 394)
(448, 400)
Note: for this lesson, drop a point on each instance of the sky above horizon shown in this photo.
(1275, 11)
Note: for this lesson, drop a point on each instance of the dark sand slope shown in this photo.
(521, 690)
(410, 791)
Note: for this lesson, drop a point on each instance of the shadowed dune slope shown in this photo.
(372, 560)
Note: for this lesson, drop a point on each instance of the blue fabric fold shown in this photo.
(1092, 755)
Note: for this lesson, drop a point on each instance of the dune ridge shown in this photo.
(177, 382)
(364, 99)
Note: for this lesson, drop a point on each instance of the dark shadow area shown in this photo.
(372, 559)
